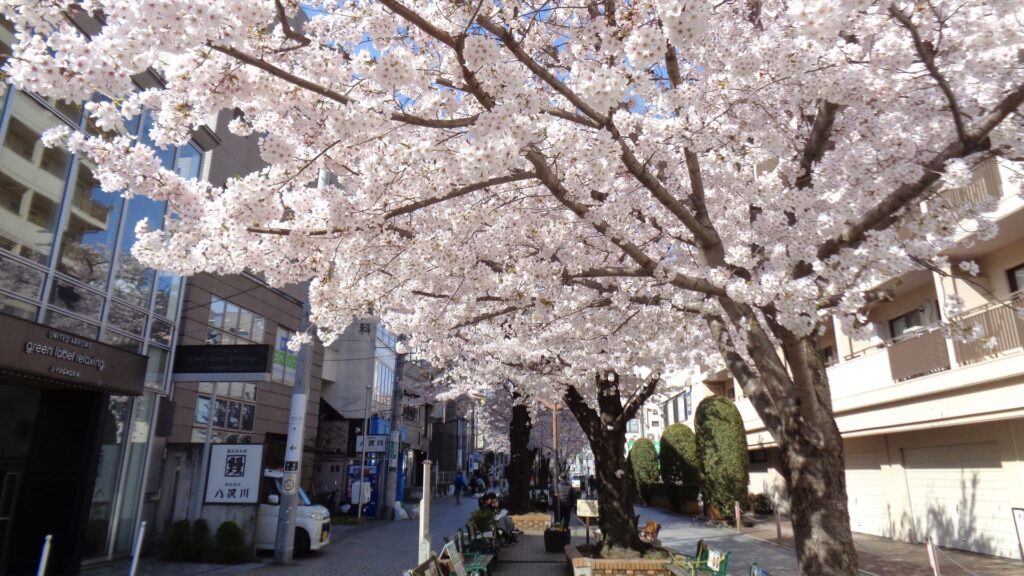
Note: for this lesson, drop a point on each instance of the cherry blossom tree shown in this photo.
(729, 173)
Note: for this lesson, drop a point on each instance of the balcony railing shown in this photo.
(984, 184)
(919, 354)
(1000, 327)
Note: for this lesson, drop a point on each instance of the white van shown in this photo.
(312, 521)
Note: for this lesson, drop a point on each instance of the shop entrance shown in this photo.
(48, 453)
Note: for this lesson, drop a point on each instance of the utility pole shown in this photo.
(284, 544)
(394, 440)
(362, 457)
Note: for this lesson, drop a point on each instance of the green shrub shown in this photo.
(482, 520)
(722, 453)
(179, 542)
(229, 544)
(760, 503)
(678, 459)
(643, 459)
(200, 541)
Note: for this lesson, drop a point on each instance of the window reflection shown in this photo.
(31, 181)
(77, 299)
(20, 278)
(87, 244)
(168, 290)
(71, 325)
(134, 281)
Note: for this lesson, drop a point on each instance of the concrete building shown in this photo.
(934, 425)
(361, 370)
(231, 311)
(82, 407)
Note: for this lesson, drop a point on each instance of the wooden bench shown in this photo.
(649, 533)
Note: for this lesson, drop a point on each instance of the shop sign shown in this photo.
(234, 473)
(49, 353)
(374, 443)
(222, 363)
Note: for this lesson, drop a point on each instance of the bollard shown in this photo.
(738, 514)
(45, 556)
(138, 548)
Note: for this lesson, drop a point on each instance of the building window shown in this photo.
(828, 355)
(235, 410)
(231, 324)
(687, 403)
(285, 361)
(410, 413)
(655, 424)
(633, 426)
(906, 323)
(1016, 276)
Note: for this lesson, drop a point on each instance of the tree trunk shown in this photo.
(794, 401)
(521, 460)
(606, 430)
(818, 506)
(615, 493)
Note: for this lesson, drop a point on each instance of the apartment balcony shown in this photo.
(1002, 331)
(895, 383)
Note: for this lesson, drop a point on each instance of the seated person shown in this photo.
(506, 529)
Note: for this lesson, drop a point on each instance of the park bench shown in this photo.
(460, 564)
(649, 533)
(707, 562)
(477, 559)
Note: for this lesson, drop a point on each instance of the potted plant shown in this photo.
(556, 538)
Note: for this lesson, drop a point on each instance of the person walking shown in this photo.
(460, 484)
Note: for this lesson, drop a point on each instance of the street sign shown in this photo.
(375, 443)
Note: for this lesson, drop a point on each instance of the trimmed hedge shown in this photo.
(229, 544)
(722, 453)
(179, 542)
(643, 459)
(200, 540)
(679, 469)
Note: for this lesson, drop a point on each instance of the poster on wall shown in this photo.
(233, 476)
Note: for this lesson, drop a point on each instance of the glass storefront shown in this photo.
(66, 262)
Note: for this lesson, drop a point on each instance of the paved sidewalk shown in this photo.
(881, 556)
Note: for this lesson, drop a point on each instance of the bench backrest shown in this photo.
(717, 562)
(756, 570)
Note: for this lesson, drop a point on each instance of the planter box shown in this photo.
(556, 540)
(610, 567)
(533, 523)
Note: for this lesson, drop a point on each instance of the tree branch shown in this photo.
(927, 54)
(883, 214)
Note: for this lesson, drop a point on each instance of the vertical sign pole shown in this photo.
(283, 545)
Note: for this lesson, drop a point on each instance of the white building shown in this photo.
(933, 427)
